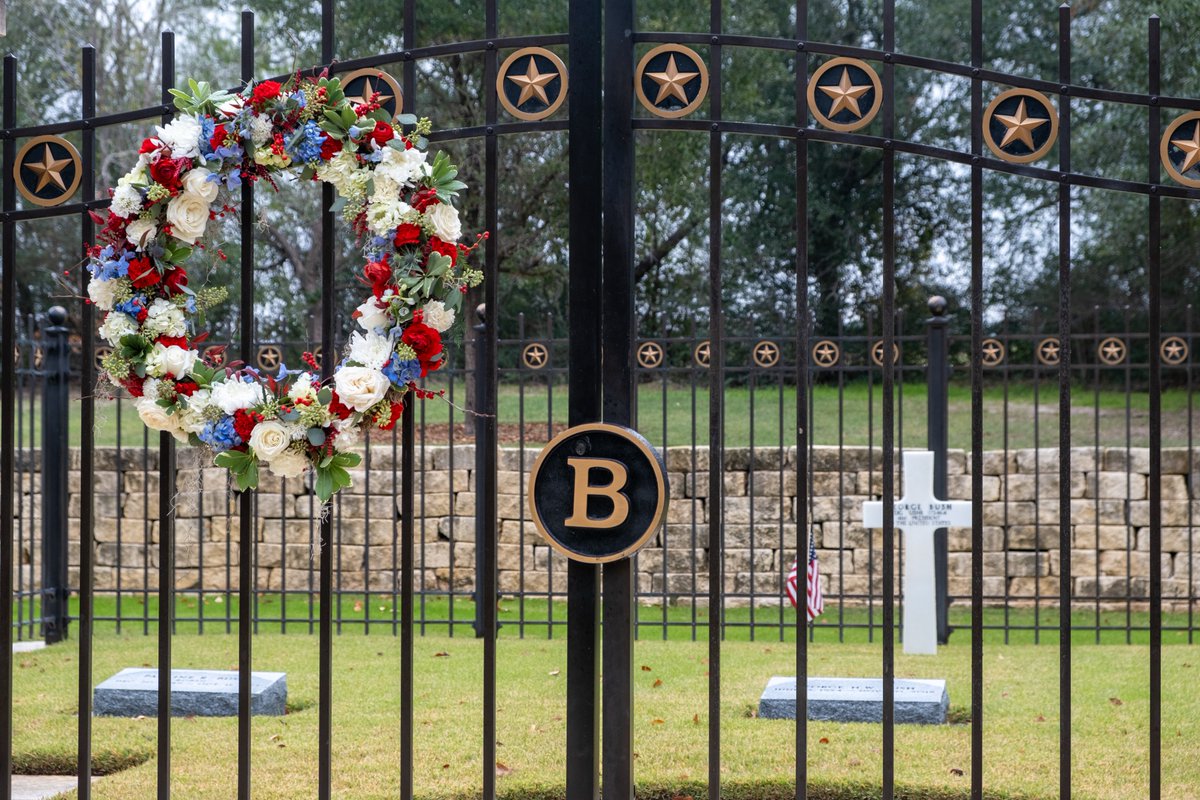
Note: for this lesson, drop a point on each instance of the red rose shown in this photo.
(244, 422)
(338, 410)
(219, 135)
(330, 147)
(175, 280)
(436, 245)
(133, 385)
(168, 341)
(424, 340)
(388, 424)
(143, 273)
(186, 387)
(169, 172)
(377, 273)
(148, 146)
(424, 199)
(407, 233)
(382, 134)
(142, 314)
(267, 90)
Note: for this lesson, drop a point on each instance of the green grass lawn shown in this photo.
(758, 415)
(1109, 691)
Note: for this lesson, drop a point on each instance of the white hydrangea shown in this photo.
(437, 316)
(234, 395)
(443, 220)
(260, 129)
(115, 326)
(164, 318)
(345, 174)
(103, 293)
(401, 166)
(369, 349)
(384, 214)
(182, 135)
(348, 433)
(126, 201)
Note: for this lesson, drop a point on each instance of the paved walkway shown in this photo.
(41, 787)
(28, 647)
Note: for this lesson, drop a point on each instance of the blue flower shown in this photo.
(308, 148)
(207, 126)
(402, 373)
(133, 306)
(220, 435)
(299, 98)
(108, 268)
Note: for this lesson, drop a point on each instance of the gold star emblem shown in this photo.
(845, 95)
(1020, 127)
(536, 355)
(671, 82)
(369, 89)
(50, 169)
(1191, 149)
(533, 83)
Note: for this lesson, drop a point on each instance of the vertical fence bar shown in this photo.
(584, 288)
(803, 434)
(716, 413)
(246, 499)
(1154, 264)
(617, 370)
(889, 400)
(407, 548)
(325, 623)
(977, 403)
(485, 427)
(937, 406)
(1064, 404)
(56, 380)
(166, 524)
(8, 342)
(87, 434)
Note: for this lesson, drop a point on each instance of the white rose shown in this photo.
(117, 325)
(182, 135)
(361, 387)
(188, 215)
(370, 315)
(174, 360)
(269, 439)
(443, 219)
(141, 232)
(233, 395)
(164, 318)
(156, 418)
(437, 316)
(193, 419)
(126, 201)
(102, 293)
(288, 464)
(196, 182)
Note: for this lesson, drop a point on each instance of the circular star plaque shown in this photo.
(1112, 351)
(1020, 125)
(1174, 351)
(360, 85)
(47, 170)
(650, 355)
(703, 353)
(535, 355)
(1049, 351)
(1180, 149)
(532, 83)
(671, 81)
(826, 353)
(766, 354)
(844, 94)
(993, 351)
(598, 492)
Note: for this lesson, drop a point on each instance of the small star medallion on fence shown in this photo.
(1112, 351)
(703, 353)
(532, 83)
(362, 84)
(766, 354)
(47, 170)
(269, 357)
(1173, 350)
(992, 352)
(1020, 125)
(675, 76)
(650, 355)
(535, 355)
(1180, 149)
(101, 354)
(826, 353)
(844, 94)
(1049, 351)
(877, 353)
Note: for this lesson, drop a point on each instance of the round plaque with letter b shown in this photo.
(598, 492)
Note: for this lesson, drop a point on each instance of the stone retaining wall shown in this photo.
(1109, 533)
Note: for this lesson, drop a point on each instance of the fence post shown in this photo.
(56, 387)
(937, 378)
(483, 525)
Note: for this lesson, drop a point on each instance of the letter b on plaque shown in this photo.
(598, 492)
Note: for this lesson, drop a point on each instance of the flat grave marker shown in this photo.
(918, 701)
(133, 692)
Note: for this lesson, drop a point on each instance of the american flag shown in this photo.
(813, 599)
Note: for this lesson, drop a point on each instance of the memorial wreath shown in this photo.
(162, 216)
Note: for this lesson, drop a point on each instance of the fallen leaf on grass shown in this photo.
(555, 672)
(358, 606)
(695, 719)
(445, 766)
(275, 737)
(441, 654)
(955, 771)
(1116, 701)
(645, 668)
(657, 721)
(657, 683)
(503, 769)
(1040, 718)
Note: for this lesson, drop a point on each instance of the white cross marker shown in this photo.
(919, 513)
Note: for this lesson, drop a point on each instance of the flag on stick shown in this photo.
(813, 601)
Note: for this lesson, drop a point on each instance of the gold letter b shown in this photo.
(583, 489)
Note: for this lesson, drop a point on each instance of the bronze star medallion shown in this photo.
(361, 84)
(269, 357)
(703, 353)
(675, 77)
(1049, 351)
(101, 354)
(877, 353)
(532, 83)
(535, 355)
(826, 353)
(650, 355)
(844, 94)
(47, 170)
(1173, 350)
(993, 352)
(1112, 351)
(1020, 125)
(766, 354)
(1180, 149)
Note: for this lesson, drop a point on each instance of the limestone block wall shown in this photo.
(1109, 534)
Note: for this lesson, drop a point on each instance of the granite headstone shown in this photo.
(918, 701)
(194, 692)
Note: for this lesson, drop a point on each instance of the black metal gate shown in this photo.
(615, 68)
